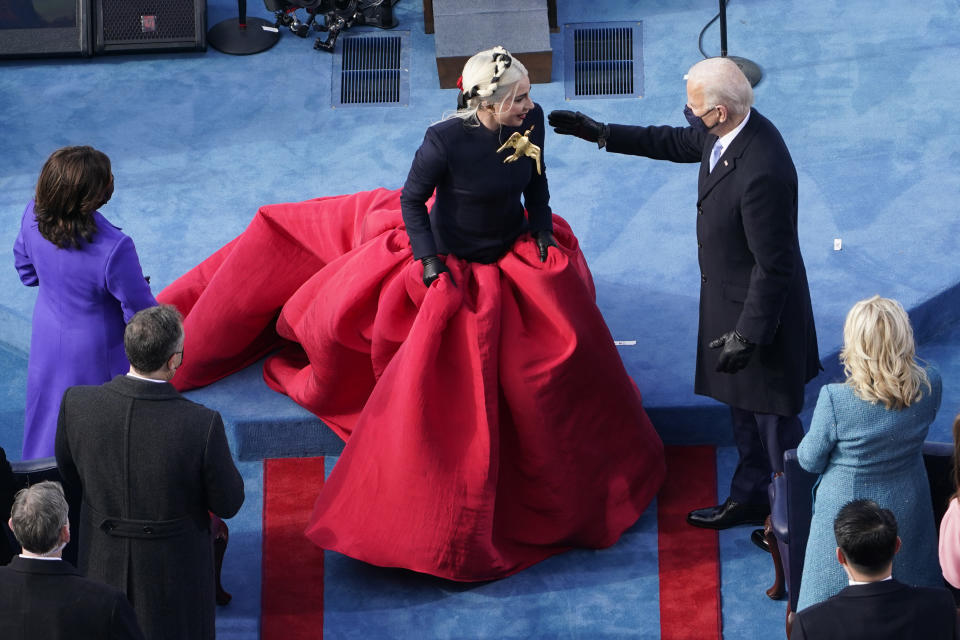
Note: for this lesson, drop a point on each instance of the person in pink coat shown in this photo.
(949, 542)
(90, 284)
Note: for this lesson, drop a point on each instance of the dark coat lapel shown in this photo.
(705, 166)
(728, 160)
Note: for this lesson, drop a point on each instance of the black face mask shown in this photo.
(696, 121)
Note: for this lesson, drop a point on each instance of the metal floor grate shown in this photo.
(603, 60)
(374, 70)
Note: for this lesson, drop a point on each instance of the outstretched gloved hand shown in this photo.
(432, 268)
(574, 123)
(736, 351)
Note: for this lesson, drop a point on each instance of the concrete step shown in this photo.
(464, 27)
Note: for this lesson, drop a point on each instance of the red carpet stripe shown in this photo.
(292, 590)
(689, 557)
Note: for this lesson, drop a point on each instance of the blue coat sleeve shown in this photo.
(23, 261)
(677, 144)
(765, 207)
(125, 281)
(429, 165)
(65, 463)
(936, 390)
(223, 481)
(536, 195)
(814, 451)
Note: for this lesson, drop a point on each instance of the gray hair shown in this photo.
(152, 336)
(722, 82)
(38, 514)
(489, 77)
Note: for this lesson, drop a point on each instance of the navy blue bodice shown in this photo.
(477, 214)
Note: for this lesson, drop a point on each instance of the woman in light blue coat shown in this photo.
(866, 439)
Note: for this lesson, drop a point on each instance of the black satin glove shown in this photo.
(574, 123)
(736, 351)
(432, 268)
(544, 240)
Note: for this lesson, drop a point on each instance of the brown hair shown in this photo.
(74, 182)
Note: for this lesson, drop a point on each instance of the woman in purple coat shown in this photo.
(90, 285)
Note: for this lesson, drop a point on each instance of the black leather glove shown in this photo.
(574, 123)
(736, 351)
(544, 239)
(432, 268)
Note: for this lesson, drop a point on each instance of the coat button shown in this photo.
(699, 211)
(703, 278)
(148, 530)
(699, 245)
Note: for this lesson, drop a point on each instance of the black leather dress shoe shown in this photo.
(729, 514)
(758, 538)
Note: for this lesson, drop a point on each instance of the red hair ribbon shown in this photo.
(460, 83)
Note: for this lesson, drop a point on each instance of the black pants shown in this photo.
(761, 440)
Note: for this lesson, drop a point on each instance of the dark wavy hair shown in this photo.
(74, 182)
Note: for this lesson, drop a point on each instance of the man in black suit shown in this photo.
(152, 465)
(757, 345)
(7, 490)
(43, 596)
(875, 606)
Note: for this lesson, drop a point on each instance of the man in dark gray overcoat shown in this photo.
(757, 345)
(152, 465)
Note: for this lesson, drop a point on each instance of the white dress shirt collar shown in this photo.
(133, 375)
(727, 139)
(853, 582)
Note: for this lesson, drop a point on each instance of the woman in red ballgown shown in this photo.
(488, 419)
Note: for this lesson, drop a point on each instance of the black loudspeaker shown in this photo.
(33, 28)
(128, 26)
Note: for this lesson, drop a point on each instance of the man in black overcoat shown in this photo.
(875, 606)
(43, 596)
(152, 466)
(757, 345)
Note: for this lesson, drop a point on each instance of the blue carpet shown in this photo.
(597, 594)
(861, 90)
(13, 386)
(240, 620)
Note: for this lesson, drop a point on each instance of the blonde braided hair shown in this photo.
(489, 77)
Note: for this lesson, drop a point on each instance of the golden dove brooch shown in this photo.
(521, 146)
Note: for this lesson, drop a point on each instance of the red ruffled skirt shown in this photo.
(489, 421)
